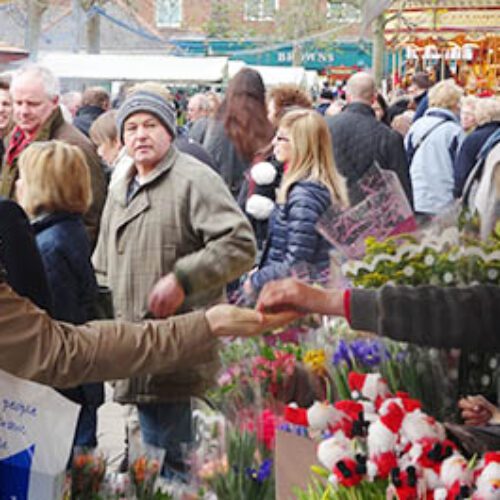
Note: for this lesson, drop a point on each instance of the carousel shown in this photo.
(448, 38)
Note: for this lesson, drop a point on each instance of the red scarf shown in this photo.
(19, 141)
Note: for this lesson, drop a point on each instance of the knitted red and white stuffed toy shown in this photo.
(383, 436)
(456, 478)
(405, 484)
(351, 422)
(368, 385)
(317, 417)
(488, 481)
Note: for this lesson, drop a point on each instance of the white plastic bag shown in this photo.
(37, 426)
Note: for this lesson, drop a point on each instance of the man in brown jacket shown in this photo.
(37, 117)
(171, 238)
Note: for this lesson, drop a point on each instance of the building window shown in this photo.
(260, 10)
(343, 12)
(168, 13)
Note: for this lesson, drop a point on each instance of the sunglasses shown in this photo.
(281, 138)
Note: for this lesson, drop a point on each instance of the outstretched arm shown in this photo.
(36, 347)
(429, 315)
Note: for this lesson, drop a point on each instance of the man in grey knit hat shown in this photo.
(171, 238)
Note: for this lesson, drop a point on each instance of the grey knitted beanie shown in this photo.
(147, 102)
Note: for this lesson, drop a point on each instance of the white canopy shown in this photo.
(273, 75)
(136, 67)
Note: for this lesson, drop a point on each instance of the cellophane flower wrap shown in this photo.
(377, 249)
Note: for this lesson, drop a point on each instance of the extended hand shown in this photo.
(292, 294)
(166, 297)
(228, 320)
(477, 410)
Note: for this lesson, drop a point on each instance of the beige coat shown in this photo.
(35, 347)
(182, 220)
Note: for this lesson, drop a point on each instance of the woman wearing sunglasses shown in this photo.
(310, 185)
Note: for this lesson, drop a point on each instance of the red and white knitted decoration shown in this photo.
(368, 385)
(318, 417)
(488, 481)
(383, 436)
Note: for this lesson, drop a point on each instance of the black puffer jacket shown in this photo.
(293, 239)
(358, 140)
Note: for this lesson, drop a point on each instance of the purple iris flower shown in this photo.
(369, 352)
(342, 355)
(402, 356)
(264, 471)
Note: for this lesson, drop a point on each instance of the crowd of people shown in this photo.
(115, 195)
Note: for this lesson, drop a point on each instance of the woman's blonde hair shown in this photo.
(55, 178)
(487, 110)
(312, 155)
(104, 128)
(445, 94)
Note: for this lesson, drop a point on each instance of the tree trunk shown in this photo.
(77, 16)
(94, 34)
(36, 8)
(378, 56)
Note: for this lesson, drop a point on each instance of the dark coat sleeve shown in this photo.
(398, 162)
(464, 162)
(429, 315)
(20, 257)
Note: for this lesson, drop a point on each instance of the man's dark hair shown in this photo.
(95, 96)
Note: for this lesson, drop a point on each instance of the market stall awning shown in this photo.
(274, 75)
(134, 67)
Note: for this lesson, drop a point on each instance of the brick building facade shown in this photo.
(245, 17)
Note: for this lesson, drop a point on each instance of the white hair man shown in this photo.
(37, 117)
(359, 139)
(198, 107)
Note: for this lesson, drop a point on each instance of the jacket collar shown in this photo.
(359, 107)
(47, 130)
(443, 114)
(47, 220)
(119, 191)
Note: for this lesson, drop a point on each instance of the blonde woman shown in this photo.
(468, 113)
(310, 185)
(54, 189)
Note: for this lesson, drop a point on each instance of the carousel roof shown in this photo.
(447, 19)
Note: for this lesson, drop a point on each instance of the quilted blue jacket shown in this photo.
(293, 239)
(65, 251)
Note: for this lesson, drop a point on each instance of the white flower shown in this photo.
(429, 260)
(409, 271)
(448, 277)
(492, 274)
(485, 380)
